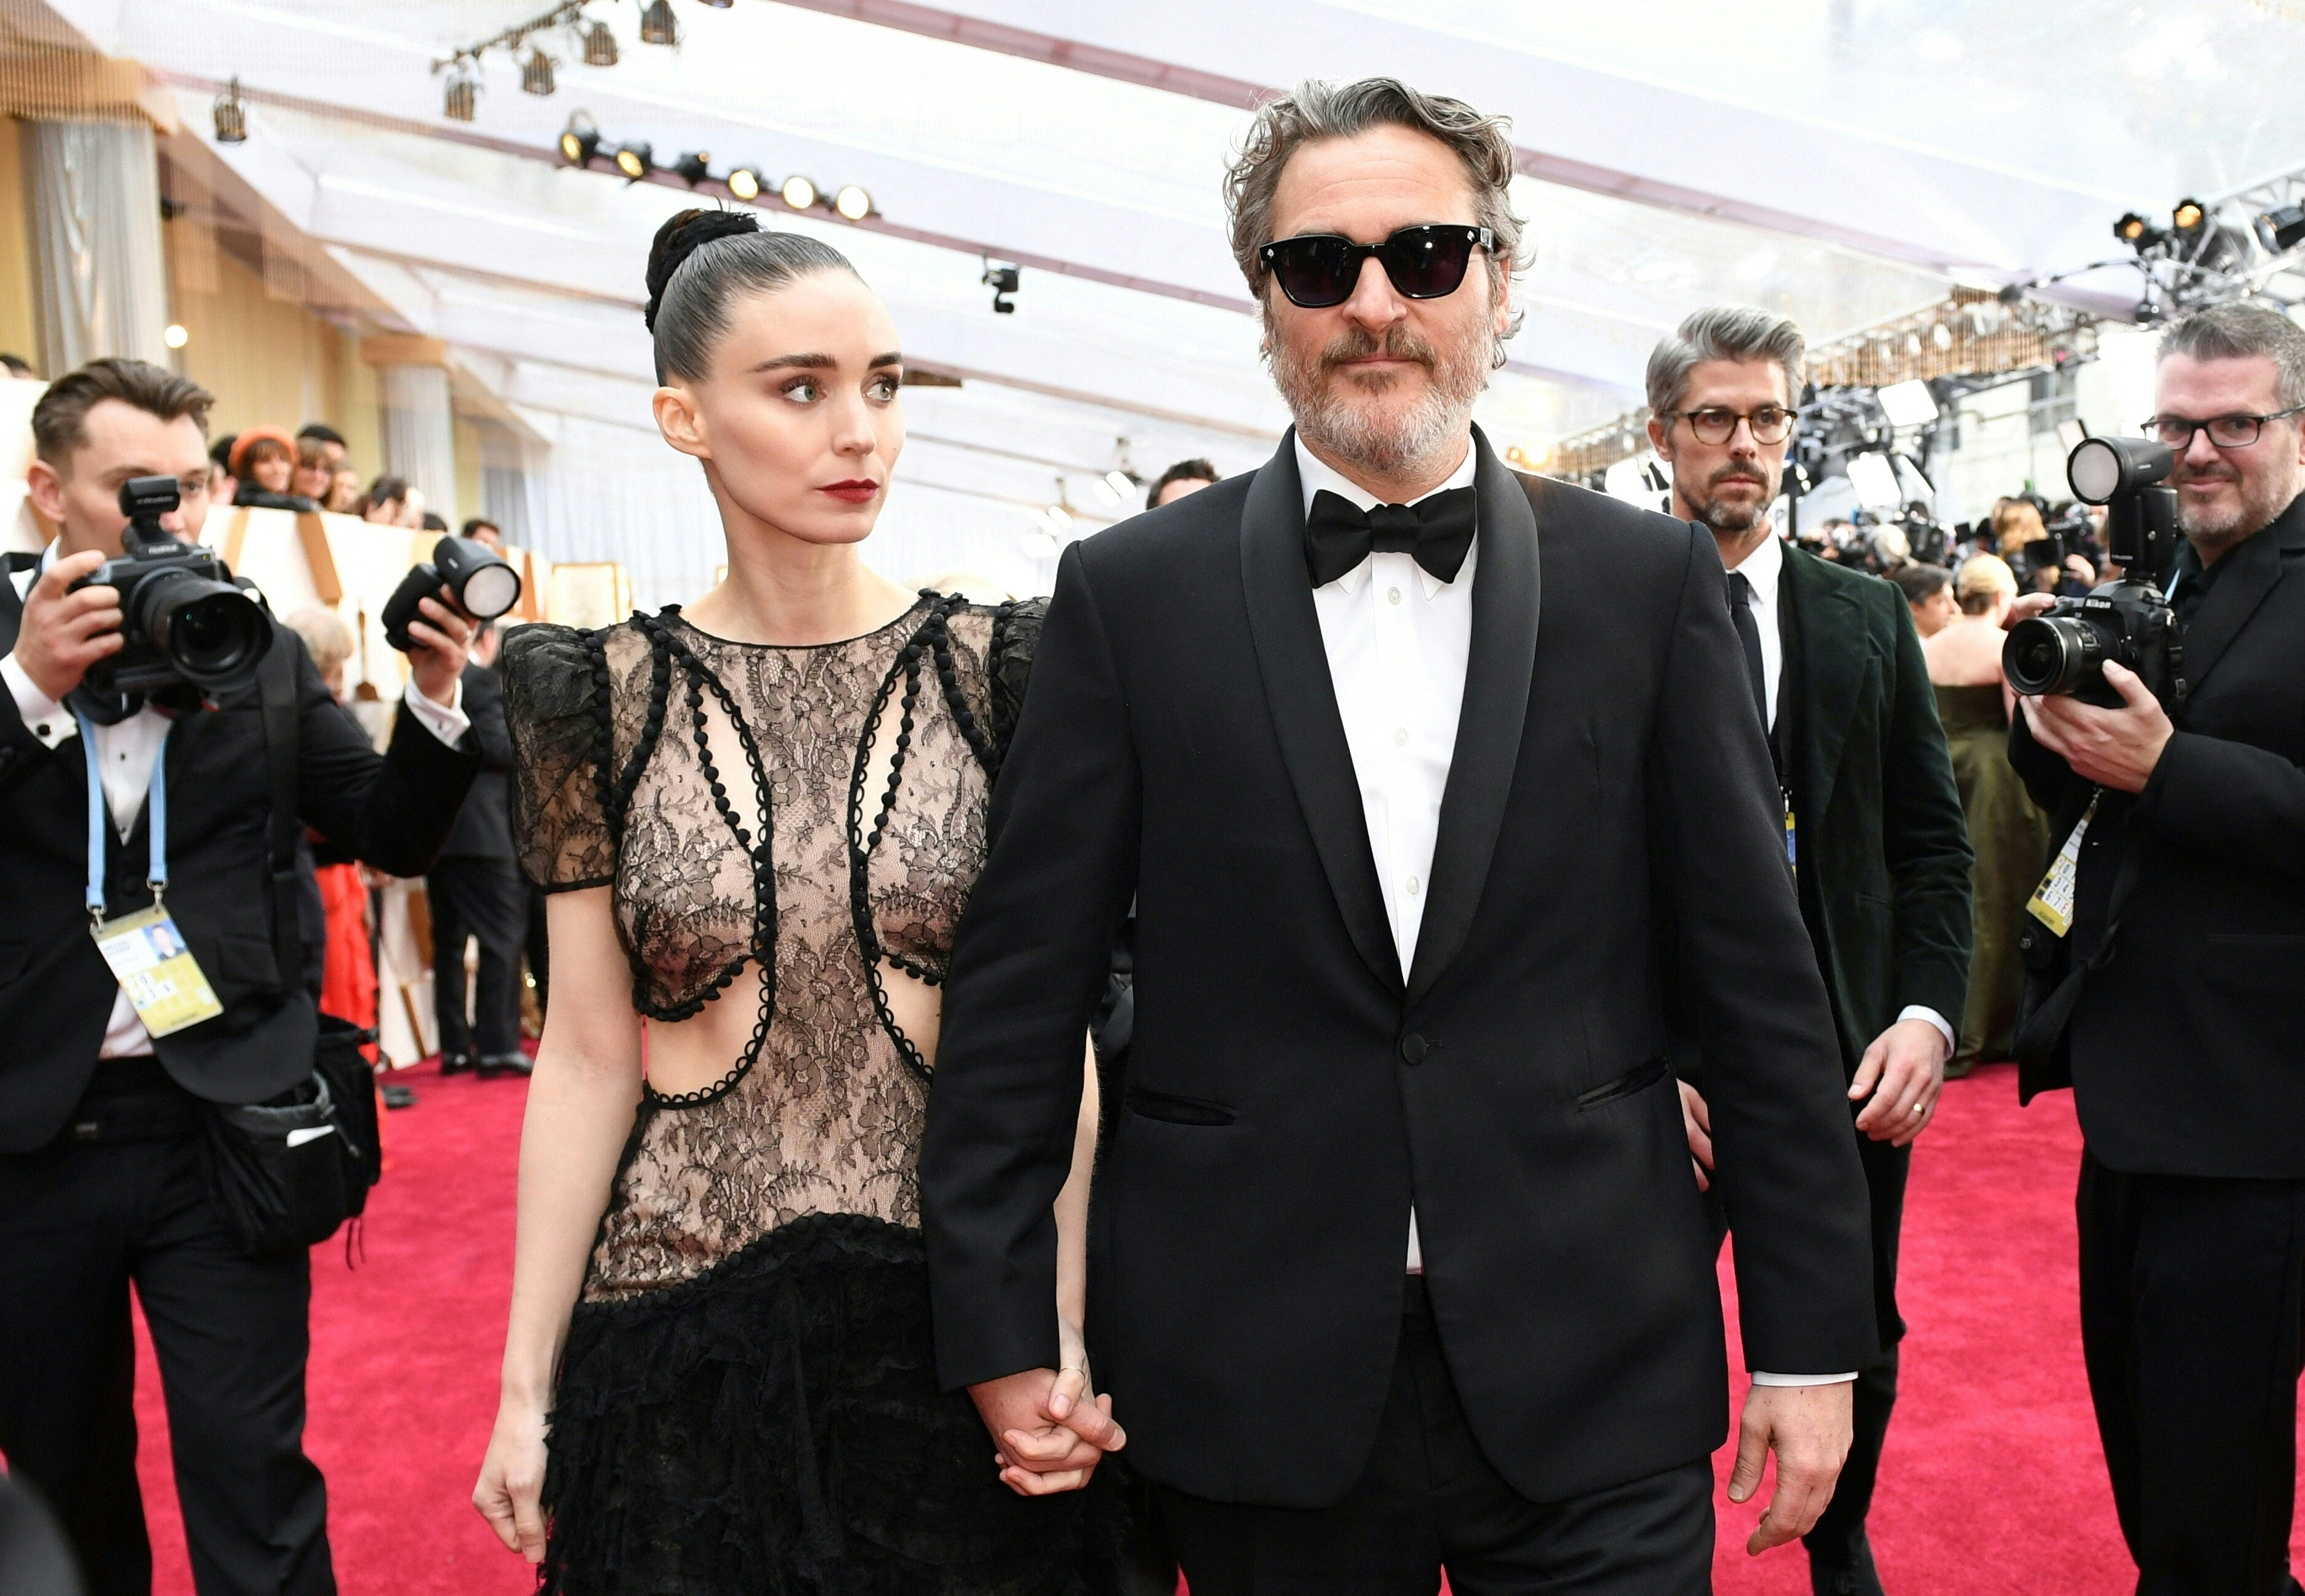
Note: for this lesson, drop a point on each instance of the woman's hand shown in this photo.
(512, 1479)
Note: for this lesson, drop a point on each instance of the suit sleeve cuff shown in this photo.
(1760, 1379)
(1921, 1011)
(44, 718)
(448, 722)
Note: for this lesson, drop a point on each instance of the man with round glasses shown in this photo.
(1872, 816)
(1408, 764)
(2185, 824)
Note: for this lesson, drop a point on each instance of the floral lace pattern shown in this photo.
(775, 823)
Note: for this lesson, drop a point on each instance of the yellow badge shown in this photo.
(2053, 900)
(149, 958)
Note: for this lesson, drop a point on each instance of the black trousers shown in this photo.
(2192, 1318)
(1429, 1500)
(79, 1222)
(483, 899)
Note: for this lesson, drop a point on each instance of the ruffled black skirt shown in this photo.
(773, 1427)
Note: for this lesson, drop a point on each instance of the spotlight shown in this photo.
(460, 101)
(600, 46)
(1059, 518)
(853, 203)
(1003, 281)
(1122, 482)
(536, 73)
(798, 193)
(744, 184)
(581, 141)
(635, 161)
(1105, 490)
(2187, 218)
(175, 336)
(231, 117)
(2281, 230)
(657, 24)
(719, 5)
(2136, 231)
(693, 167)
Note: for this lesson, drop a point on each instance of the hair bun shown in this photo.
(682, 236)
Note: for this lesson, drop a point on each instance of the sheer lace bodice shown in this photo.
(649, 753)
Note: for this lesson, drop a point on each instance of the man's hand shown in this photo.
(1048, 1432)
(1808, 1428)
(442, 646)
(2027, 608)
(2114, 748)
(1903, 1071)
(63, 633)
(1696, 1119)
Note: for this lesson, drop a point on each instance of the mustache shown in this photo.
(1736, 474)
(1398, 343)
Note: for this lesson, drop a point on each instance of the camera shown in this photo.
(482, 583)
(184, 618)
(2127, 621)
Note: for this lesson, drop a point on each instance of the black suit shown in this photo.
(1291, 1090)
(2185, 1063)
(100, 1178)
(474, 891)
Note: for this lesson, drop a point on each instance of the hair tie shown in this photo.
(682, 236)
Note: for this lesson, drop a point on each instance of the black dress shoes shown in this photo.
(457, 1063)
(493, 1064)
(1850, 1575)
(397, 1097)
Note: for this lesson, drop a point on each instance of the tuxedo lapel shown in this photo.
(1507, 592)
(2256, 569)
(1286, 629)
(1833, 658)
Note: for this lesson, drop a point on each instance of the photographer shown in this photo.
(2183, 843)
(105, 1130)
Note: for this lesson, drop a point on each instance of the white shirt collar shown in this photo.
(1763, 567)
(1314, 475)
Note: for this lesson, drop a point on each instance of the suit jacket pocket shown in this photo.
(1638, 1079)
(1177, 1110)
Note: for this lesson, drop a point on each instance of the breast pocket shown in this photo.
(1634, 1081)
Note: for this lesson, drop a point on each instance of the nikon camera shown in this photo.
(2127, 621)
(186, 623)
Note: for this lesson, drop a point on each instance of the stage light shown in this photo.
(1122, 483)
(581, 141)
(1106, 491)
(635, 161)
(657, 24)
(2187, 218)
(693, 167)
(1908, 404)
(2281, 230)
(460, 101)
(231, 117)
(744, 184)
(1059, 518)
(719, 5)
(1004, 281)
(175, 336)
(853, 202)
(600, 46)
(536, 73)
(798, 193)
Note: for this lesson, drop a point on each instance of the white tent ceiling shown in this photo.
(1843, 160)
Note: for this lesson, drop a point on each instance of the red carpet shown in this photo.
(1993, 1482)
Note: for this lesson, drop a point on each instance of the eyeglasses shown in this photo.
(2227, 432)
(1717, 423)
(1320, 269)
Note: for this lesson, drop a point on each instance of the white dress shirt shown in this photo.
(1763, 570)
(125, 751)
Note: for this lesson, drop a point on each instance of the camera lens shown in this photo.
(2050, 654)
(212, 631)
(491, 590)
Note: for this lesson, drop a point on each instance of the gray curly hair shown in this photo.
(1319, 110)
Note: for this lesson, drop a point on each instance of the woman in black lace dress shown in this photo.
(760, 817)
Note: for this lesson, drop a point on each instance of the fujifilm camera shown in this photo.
(186, 624)
(2127, 621)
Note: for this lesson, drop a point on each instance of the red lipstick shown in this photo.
(856, 490)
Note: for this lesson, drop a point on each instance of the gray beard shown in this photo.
(1342, 428)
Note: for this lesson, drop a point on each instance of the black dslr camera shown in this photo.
(2127, 621)
(185, 621)
(482, 584)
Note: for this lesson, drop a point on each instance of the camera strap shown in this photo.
(275, 687)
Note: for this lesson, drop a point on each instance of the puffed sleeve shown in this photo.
(556, 702)
(1009, 666)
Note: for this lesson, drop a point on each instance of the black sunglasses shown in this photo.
(1320, 269)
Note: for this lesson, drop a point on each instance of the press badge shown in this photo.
(149, 958)
(2052, 902)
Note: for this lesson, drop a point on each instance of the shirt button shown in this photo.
(40, 730)
(1400, 737)
(1392, 595)
(1413, 885)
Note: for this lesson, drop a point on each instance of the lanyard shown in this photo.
(156, 876)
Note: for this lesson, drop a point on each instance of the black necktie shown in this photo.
(1748, 632)
(1437, 531)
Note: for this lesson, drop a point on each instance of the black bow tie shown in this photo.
(1437, 531)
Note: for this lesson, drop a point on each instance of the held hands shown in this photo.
(2114, 748)
(1808, 1427)
(1049, 1428)
(512, 1479)
(1903, 1071)
(442, 640)
(63, 633)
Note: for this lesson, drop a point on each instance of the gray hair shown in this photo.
(1318, 111)
(1725, 333)
(2239, 331)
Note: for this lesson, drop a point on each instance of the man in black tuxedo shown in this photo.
(474, 892)
(1873, 816)
(100, 1124)
(1397, 1260)
(2188, 928)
